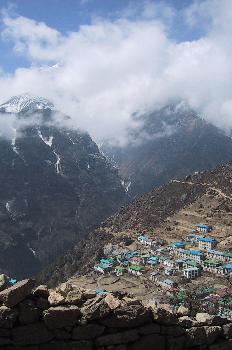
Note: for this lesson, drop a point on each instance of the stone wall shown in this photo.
(71, 319)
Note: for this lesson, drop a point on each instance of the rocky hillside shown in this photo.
(55, 186)
(172, 142)
(169, 212)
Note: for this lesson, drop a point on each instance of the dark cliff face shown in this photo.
(172, 142)
(55, 186)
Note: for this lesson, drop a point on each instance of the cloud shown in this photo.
(107, 71)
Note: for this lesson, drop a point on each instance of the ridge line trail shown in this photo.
(220, 192)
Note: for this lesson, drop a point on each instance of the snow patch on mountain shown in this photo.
(47, 140)
(25, 102)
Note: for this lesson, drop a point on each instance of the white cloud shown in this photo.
(110, 69)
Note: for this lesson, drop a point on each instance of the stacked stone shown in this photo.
(77, 319)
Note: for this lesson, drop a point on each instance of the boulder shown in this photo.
(150, 328)
(210, 320)
(74, 345)
(149, 342)
(212, 333)
(41, 291)
(183, 311)
(96, 309)
(31, 334)
(61, 316)
(4, 341)
(62, 334)
(164, 316)
(175, 343)
(174, 331)
(222, 345)
(112, 302)
(117, 338)
(89, 293)
(227, 330)
(8, 317)
(56, 298)
(75, 297)
(187, 322)
(18, 292)
(28, 312)
(195, 336)
(4, 282)
(89, 331)
(42, 303)
(128, 315)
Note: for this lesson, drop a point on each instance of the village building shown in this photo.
(169, 263)
(191, 272)
(153, 260)
(136, 260)
(176, 245)
(218, 255)
(135, 270)
(103, 267)
(166, 283)
(170, 271)
(193, 238)
(119, 270)
(207, 243)
(190, 254)
(190, 263)
(143, 239)
(211, 266)
(227, 269)
(204, 228)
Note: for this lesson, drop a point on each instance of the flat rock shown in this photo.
(212, 333)
(31, 334)
(41, 291)
(74, 345)
(117, 338)
(227, 330)
(28, 312)
(8, 317)
(209, 320)
(96, 309)
(149, 342)
(112, 302)
(18, 292)
(195, 336)
(127, 315)
(56, 298)
(61, 316)
(89, 331)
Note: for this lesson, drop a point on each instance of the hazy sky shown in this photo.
(100, 61)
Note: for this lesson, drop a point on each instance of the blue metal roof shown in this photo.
(144, 238)
(178, 244)
(228, 266)
(206, 239)
(195, 252)
(203, 226)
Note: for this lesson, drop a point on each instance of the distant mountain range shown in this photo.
(55, 186)
(171, 142)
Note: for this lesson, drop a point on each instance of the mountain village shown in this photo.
(177, 269)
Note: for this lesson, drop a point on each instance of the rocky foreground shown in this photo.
(78, 319)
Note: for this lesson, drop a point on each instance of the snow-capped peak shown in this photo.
(25, 102)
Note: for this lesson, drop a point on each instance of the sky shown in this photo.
(101, 61)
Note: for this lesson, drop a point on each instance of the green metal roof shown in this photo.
(135, 267)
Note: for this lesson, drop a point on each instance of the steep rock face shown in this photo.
(55, 187)
(172, 142)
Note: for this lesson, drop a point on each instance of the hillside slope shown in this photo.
(169, 212)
